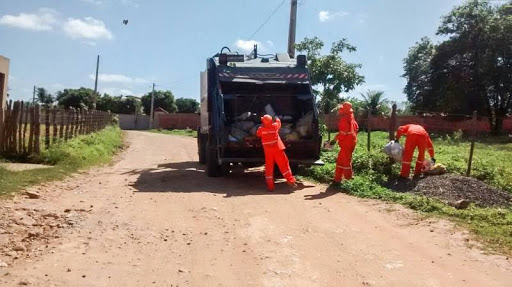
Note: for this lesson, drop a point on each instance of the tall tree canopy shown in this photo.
(187, 105)
(43, 97)
(77, 98)
(119, 104)
(163, 99)
(375, 102)
(330, 73)
(471, 70)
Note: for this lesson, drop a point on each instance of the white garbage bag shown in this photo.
(394, 150)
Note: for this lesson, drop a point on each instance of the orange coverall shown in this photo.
(274, 151)
(417, 137)
(347, 140)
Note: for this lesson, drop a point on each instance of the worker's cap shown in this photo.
(266, 119)
(345, 108)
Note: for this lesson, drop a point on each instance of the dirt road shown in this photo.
(155, 219)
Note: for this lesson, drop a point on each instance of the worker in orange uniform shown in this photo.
(347, 140)
(274, 151)
(416, 137)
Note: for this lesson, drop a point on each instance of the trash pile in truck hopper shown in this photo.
(247, 125)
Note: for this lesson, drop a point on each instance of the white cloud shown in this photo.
(248, 46)
(130, 3)
(11, 78)
(324, 16)
(43, 20)
(118, 78)
(95, 2)
(116, 91)
(88, 28)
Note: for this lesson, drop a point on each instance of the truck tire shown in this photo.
(201, 147)
(213, 169)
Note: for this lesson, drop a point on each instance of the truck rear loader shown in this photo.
(236, 91)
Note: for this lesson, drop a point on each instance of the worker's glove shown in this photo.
(433, 160)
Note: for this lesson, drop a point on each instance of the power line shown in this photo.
(268, 19)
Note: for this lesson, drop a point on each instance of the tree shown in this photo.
(43, 97)
(163, 99)
(77, 98)
(417, 73)
(330, 74)
(375, 103)
(471, 70)
(187, 105)
(119, 104)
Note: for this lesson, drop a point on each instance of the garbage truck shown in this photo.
(236, 91)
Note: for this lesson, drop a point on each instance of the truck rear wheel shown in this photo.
(213, 169)
(201, 147)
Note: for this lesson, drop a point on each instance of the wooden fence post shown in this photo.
(14, 124)
(55, 126)
(27, 117)
(62, 124)
(392, 123)
(47, 127)
(473, 139)
(31, 112)
(369, 130)
(20, 129)
(37, 131)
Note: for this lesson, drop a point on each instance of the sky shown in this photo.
(54, 43)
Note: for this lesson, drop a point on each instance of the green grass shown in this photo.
(492, 225)
(185, 132)
(66, 158)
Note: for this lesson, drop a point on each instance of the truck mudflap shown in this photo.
(262, 161)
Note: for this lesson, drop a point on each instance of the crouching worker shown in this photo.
(347, 140)
(416, 137)
(274, 151)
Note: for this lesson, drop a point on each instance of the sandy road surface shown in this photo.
(155, 219)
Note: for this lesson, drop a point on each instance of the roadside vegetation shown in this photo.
(65, 158)
(176, 132)
(373, 172)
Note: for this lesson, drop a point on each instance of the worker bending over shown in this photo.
(347, 140)
(274, 151)
(416, 137)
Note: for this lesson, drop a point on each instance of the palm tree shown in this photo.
(45, 98)
(375, 102)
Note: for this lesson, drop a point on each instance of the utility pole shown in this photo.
(151, 113)
(293, 26)
(96, 81)
(34, 96)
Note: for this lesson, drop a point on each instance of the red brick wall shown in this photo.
(177, 121)
(433, 124)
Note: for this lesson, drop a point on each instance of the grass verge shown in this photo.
(492, 226)
(176, 132)
(66, 157)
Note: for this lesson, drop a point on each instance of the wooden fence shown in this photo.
(30, 128)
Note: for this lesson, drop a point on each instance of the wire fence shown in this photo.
(472, 126)
(30, 128)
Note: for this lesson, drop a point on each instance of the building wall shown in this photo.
(176, 121)
(134, 122)
(431, 124)
(4, 78)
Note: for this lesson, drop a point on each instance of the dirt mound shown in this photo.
(452, 188)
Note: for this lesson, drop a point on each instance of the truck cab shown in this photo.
(236, 91)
